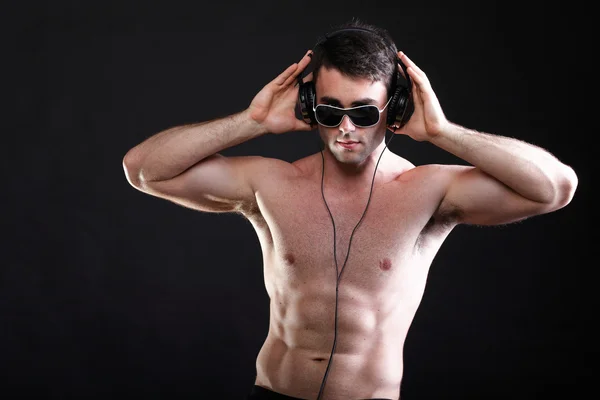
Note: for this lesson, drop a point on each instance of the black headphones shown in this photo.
(400, 107)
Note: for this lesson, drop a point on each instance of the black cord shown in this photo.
(347, 254)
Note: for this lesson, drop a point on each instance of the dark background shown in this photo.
(106, 292)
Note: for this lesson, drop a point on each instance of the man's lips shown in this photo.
(347, 145)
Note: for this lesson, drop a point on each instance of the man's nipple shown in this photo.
(289, 258)
(385, 264)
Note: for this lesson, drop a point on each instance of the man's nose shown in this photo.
(346, 125)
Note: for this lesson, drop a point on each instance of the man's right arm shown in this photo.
(182, 164)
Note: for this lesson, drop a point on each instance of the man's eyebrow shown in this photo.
(359, 102)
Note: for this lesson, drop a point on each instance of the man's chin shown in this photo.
(346, 156)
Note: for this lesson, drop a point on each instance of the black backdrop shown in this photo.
(106, 292)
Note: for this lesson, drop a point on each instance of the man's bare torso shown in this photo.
(380, 288)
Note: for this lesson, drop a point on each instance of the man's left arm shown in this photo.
(509, 179)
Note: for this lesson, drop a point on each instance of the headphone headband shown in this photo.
(401, 105)
(330, 34)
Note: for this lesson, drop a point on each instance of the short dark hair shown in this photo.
(358, 54)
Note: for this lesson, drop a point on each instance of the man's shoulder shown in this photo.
(267, 169)
(271, 165)
(432, 171)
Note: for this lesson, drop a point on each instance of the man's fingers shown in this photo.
(303, 126)
(416, 89)
(410, 64)
(292, 72)
(401, 71)
(284, 76)
(301, 66)
(421, 84)
(418, 79)
(308, 77)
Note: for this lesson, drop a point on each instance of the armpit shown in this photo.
(445, 216)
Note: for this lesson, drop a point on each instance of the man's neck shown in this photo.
(354, 177)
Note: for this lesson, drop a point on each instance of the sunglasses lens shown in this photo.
(360, 116)
(364, 116)
(328, 116)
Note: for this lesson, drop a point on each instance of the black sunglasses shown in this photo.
(362, 116)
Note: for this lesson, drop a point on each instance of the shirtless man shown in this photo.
(332, 292)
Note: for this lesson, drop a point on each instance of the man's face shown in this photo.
(338, 90)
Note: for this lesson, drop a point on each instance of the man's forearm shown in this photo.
(172, 151)
(529, 170)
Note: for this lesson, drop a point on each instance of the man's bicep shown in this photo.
(215, 184)
(475, 197)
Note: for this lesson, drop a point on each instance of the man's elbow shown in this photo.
(566, 187)
(132, 174)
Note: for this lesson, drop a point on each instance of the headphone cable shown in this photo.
(338, 278)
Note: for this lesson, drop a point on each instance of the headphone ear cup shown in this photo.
(306, 96)
(400, 108)
(394, 107)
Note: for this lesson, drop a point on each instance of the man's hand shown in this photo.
(428, 119)
(274, 106)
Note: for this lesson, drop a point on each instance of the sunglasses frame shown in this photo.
(347, 109)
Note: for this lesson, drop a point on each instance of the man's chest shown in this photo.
(366, 238)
